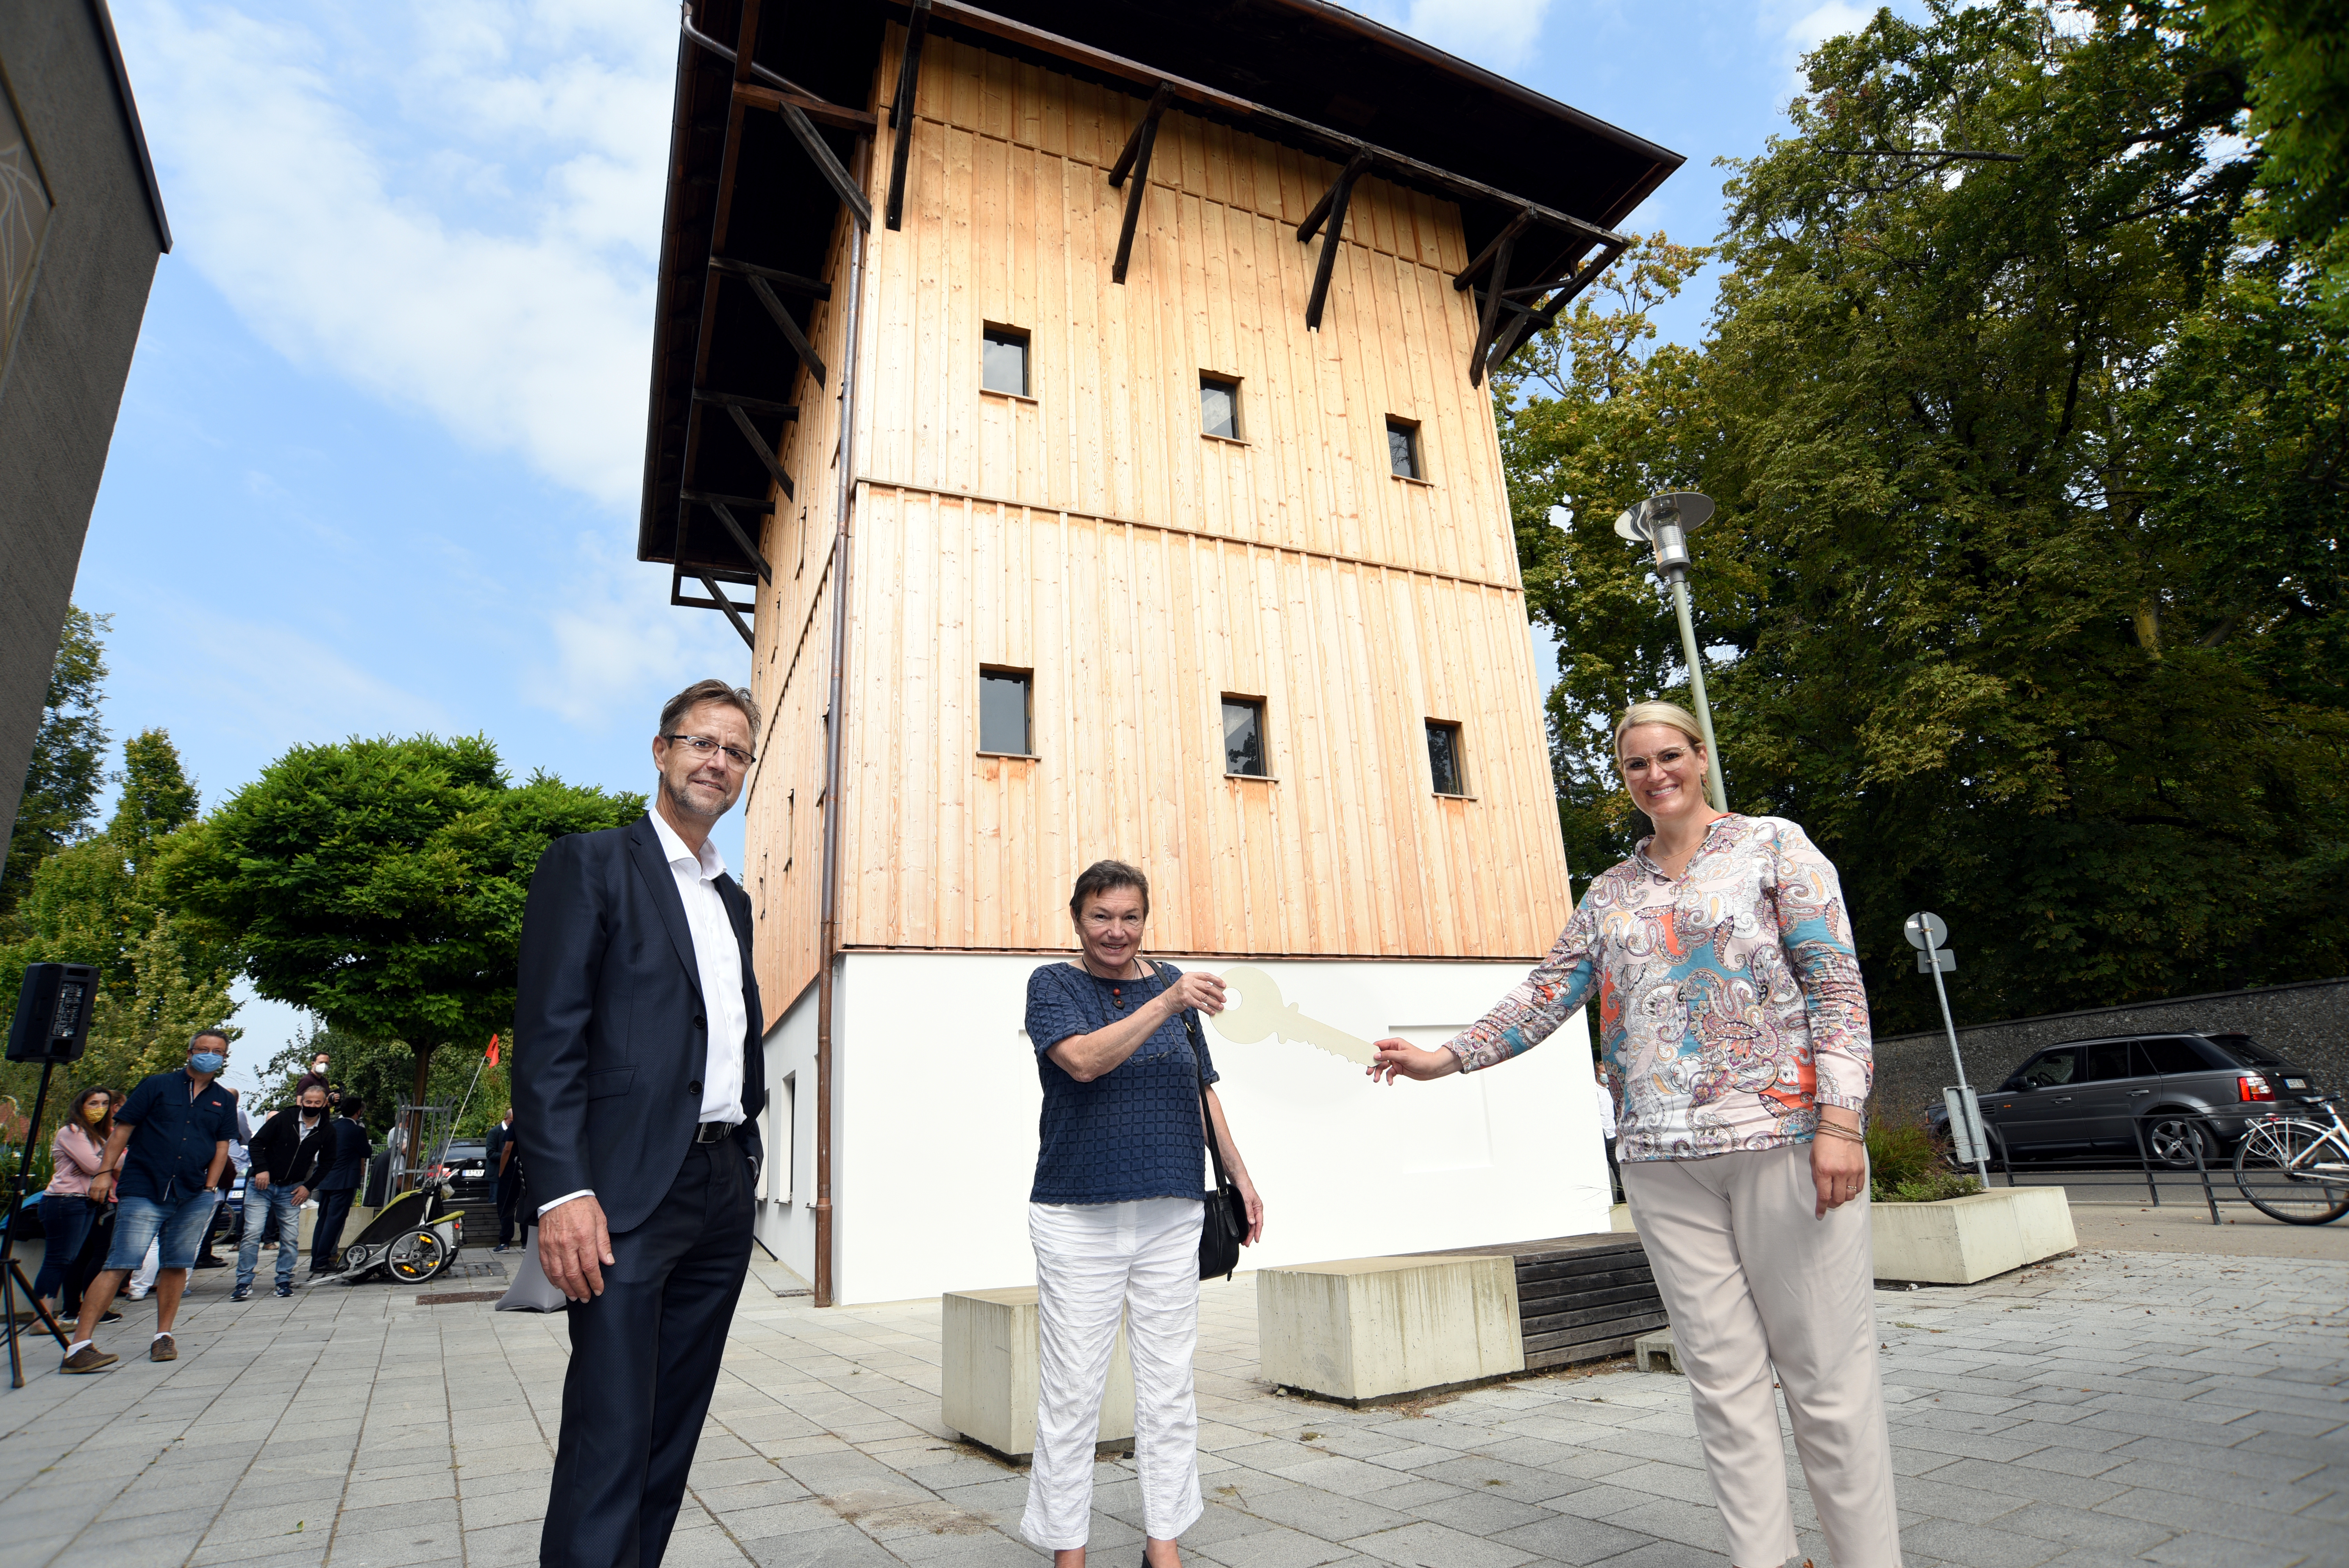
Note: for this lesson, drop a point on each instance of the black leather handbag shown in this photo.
(1225, 1221)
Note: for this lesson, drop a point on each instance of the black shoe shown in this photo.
(285, 1289)
(241, 1292)
(110, 1316)
(212, 1263)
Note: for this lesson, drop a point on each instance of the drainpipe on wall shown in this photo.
(835, 733)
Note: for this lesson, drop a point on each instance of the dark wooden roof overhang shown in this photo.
(770, 148)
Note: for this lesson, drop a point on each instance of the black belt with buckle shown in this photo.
(714, 1131)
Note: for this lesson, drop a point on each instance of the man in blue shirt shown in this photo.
(165, 1163)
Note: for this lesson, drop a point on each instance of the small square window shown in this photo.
(1402, 449)
(1003, 361)
(1004, 711)
(1443, 762)
(1244, 736)
(1219, 408)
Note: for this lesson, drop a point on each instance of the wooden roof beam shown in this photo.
(901, 110)
(1135, 160)
(1328, 215)
(1197, 98)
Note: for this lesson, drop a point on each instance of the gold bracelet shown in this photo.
(1840, 1131)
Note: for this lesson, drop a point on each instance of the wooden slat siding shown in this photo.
(1134, 632)
(1093, 536)
(1115, 367)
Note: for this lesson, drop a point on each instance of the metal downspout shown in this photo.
(836, 734)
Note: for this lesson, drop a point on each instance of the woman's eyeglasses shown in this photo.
(701, 744)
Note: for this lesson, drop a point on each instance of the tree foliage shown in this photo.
(69, 761)
(379, 884)
(2024, 589)
(95, 902)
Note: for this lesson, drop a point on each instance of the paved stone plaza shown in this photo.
(2102, 1408)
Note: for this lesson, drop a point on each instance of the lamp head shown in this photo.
(1664, 522)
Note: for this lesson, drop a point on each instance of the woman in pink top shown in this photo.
(65, 1209)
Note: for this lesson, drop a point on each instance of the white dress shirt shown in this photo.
(719, 961)
(717, 964)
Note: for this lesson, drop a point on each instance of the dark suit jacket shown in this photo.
(610, 1034)
(348, 1166)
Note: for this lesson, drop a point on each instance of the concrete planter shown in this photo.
(1962, 1239)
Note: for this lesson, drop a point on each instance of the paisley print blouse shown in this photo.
(1729, 1006)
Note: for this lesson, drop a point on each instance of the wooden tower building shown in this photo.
(1077, 406)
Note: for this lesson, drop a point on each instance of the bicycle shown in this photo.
(2296, 1168)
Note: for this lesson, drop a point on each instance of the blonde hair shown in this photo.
(1666, 713)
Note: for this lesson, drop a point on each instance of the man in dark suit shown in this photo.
(340, 1184)
(637, 1081)
(505, 1177)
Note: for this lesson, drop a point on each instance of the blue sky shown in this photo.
(376, 464)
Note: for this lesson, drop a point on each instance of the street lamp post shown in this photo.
(1665, 521)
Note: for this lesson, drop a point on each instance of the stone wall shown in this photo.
(2307, 1024)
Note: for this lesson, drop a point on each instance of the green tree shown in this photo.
(2025, 590)
(2299, 80)
(68, 762)
(94, 902)
(378, 884)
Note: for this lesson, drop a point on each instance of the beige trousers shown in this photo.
(1751, 1280)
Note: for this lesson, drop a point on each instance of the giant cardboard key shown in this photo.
(1260, 1012)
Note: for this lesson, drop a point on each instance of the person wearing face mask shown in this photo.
(1736, 1032)
(78, 1154)
(163, 1163)
(289, 1154)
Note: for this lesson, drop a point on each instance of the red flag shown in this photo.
(493, 1050)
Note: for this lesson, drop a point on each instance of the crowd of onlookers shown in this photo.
(143, 1182)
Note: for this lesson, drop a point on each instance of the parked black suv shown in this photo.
(2092, 1096)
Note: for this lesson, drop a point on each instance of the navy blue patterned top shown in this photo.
(1133, 1132)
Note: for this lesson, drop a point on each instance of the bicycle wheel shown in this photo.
(2265, 1173)
(416, 1257)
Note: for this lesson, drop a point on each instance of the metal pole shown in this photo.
(1941, 993)
(1715, 785)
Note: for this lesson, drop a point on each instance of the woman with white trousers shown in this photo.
(1115, 1211)
(1735, 1030)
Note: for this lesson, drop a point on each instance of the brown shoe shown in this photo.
(165, 1348)
(89, 1358)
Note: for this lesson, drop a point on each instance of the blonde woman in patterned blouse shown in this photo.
(1735, 1028)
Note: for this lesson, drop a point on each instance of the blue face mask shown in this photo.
(208, 1062)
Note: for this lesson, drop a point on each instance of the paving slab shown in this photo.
(2107, 1407)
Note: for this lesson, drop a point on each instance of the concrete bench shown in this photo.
(988, 1390)
(1370, 1330)
(1365, 1330)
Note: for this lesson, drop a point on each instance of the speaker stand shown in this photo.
(12, 1272)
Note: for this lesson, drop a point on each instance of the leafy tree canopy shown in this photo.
(94, 902)
(379, 884)
(2024, 595)
(68, 767)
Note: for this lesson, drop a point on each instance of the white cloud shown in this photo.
(619, 645)
(1497, 34)
(452, 207)
(1800, 35)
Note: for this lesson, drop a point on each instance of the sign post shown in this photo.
(1927, 933)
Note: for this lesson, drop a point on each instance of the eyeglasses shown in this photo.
(705, 747)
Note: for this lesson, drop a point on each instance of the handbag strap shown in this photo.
(1199, 1066)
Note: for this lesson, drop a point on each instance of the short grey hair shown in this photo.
(201, 1036)
(699, 691)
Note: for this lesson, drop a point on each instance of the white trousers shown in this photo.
(1095, 1262)
(1754, 1280)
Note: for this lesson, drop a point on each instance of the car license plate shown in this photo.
(2296, 1083)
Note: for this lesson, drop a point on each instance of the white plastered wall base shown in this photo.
(937, 1099)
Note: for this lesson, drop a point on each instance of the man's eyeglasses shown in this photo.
(701, 744)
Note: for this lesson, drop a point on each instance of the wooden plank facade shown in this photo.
(1141, 571)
